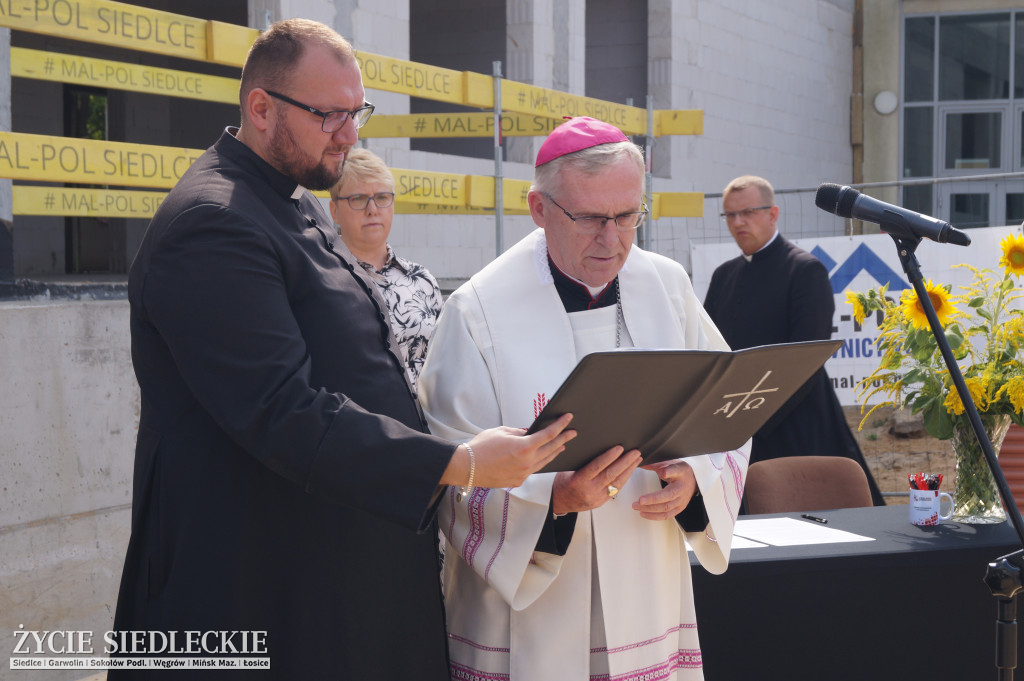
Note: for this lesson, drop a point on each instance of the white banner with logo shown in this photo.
(859, 263)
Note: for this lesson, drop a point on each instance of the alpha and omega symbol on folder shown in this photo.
(748, 400)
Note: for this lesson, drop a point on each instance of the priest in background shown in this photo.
(584, 575)
(774, 293)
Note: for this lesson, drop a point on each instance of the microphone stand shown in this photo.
(1003, 576)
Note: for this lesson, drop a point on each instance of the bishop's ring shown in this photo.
(612, 491)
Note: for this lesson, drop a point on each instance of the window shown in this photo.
(961, 118)
(91, 244)
(973, 140)
(919, 59)
(974, 57)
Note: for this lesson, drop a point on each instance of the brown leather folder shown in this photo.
(671, 404)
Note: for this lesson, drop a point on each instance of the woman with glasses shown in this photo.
(363, 206)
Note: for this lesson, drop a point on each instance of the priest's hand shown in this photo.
(674, 497)
(588, 487)
(505, 457)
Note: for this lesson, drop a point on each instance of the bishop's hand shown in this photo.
(673, 497)
(595, 484)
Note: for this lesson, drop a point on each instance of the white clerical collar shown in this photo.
(297, 194)
(750, 257)
(595, 291)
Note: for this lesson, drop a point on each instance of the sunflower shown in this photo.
(984, 322)
(858, 307)
(1012, 259)
(941, 301)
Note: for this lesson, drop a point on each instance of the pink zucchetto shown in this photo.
(575, 134)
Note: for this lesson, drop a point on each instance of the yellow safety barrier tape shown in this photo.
(48, 158)
(104, 73)
(456, 125)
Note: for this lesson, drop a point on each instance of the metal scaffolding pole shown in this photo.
(643, 238)
(499, 227)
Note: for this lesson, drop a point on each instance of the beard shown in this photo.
(290, 159)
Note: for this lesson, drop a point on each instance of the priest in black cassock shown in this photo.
(776, 292)
(285, 484)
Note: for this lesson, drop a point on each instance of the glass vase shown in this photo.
(976, 498)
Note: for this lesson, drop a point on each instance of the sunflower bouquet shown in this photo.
(985, 330)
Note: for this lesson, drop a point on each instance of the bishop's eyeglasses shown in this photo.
(592, 224)
(333, 121)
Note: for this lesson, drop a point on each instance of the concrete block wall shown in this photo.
(773, 79)
(382, 27)
(68, 421)
(324, 11)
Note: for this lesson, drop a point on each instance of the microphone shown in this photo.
(847, 202)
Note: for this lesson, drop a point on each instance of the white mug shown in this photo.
(925, 506)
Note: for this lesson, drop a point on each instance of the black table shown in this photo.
(910, 605)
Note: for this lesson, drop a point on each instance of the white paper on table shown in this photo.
(792, 532)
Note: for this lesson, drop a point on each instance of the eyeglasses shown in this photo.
(333, 121)
(731, 215)
(361, 201)
(592, 224)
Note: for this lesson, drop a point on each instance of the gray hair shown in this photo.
(589, 161)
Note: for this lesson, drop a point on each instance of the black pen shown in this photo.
(815, 518)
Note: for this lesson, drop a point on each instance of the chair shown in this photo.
(806, 483)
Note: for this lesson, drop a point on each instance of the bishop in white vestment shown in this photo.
(539, 584)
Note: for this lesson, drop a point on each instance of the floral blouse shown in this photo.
(414, 301)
